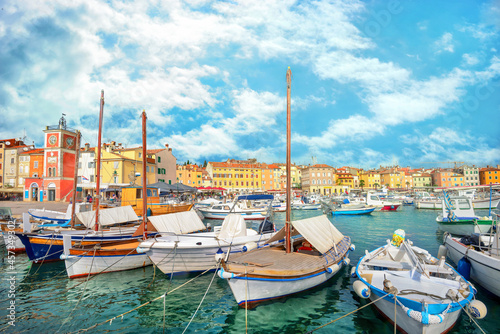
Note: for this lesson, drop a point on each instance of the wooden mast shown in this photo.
(75, 179)
(144, 177)
(98, 165)
(288, 163)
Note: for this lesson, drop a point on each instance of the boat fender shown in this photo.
(333, 269)
(249, 246)
(141, 250)
(425, 317)
(346, 261)
(477, 309)
(361, 289)
(442, 251)
(463, 267)
(353, 272)
(225, 274)
(219, 255)
(353, 247)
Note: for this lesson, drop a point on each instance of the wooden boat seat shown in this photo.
(431, 268)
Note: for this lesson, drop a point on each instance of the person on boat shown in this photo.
(89, 198)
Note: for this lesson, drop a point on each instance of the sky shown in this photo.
(413, 83)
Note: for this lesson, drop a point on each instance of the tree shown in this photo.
(362, 184)
(205, 164)
(376, 185)
(407, 184)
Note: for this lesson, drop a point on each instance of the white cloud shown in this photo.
(470, 59)
(445, 43)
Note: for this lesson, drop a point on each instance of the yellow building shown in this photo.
(124, 166)
(394, 179)
(295, 176)
(236, 176)
(190, 175)
(271, 177)
(371, 179)
(422, 180)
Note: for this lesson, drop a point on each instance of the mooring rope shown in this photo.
(202, 299)
(79, 299)
(140, 306)
(345, 315)
(472, 318)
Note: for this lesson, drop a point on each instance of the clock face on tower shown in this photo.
(52, 140)
(69, 141)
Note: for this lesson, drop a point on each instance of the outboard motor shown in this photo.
(266, 227)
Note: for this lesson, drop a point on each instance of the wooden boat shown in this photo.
(458, 217)
(84, 260)
(276, 270)
(413, 290)
(350, 209)
(481, 255)
(179, 249)
(9, 225)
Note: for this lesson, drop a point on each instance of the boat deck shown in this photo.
(274, 261)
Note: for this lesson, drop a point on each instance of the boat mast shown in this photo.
(75, 179)
(288, 163)
(98, 165)
(144, 177)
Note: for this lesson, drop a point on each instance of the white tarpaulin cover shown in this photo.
(178, 222)
(111, 216)
(233, 226)
(319, 231)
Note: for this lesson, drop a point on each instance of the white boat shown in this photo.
(205, 203)
(414, 290)
(458, 217)
(242, 206)
(381, 204)
(276, 270)
(180, 250)
(270, 272)
(299, 204)
(481, 254)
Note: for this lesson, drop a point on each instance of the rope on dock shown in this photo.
(140, 306)
(345, 315)
(472, 318)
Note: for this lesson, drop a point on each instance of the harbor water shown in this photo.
(46, 301)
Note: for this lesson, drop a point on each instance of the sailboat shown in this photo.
(289, 263)
(84, 260)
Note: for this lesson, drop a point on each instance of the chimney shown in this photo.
(87, 146)
(166, 145)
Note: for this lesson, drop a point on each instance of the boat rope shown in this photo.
(246, 299)
(154, 276)
(415, 292)
(425, 317)
(345, 315)
(44, 257)
(83, 292)
(204, 296)
(472, 318)
(140, 306)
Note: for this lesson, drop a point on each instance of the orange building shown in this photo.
(489, 175)
(447, 178)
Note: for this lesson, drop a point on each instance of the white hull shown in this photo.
(80, 266)
(249, 215)
(258, 290)
(484, 269)
(463, 229)
(409, 325)
(195, 252)
(476, 203)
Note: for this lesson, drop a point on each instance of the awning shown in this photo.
(319, 231)
(178, 222)
(111, 216)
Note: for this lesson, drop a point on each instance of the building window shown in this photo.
(115, 164)
(159, 159)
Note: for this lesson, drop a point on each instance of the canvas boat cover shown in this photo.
(233, 226)
(319, 231)
(178, 222)
(111, 216)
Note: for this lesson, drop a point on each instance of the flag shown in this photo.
(84, 178)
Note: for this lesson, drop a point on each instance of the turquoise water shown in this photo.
(48, 302)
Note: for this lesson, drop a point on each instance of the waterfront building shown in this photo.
(56, 182)
(123, 166)
(166, 164)
(471, 174)
(30, 165)
(421, 180)
(447, 178)
(236, 176)
(5, 144)
(271, 177)
(295, 176)
(393, 178)
(489, 175)
(344, 178)
(371, 179)
(318, 179)
(190, 175)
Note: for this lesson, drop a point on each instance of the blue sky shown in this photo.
(374, 82)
